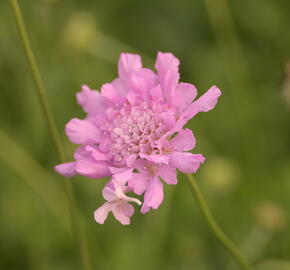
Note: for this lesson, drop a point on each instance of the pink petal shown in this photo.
(91, 162)
(95, 153)
(166, 61)
(157, 94)
(102, 212)
(82, 131)
(129, 64)
(93, 169)
(184, 95)
(91, 101)
(138, 183)
(167, 67)
(122, 212)
(66, 169)
(120, 87)
(158, 159)
(81, 152)
(116, 170)
(141, 82)
(139, 164)
(109, 92)
(168, 119)
(153, 196)
(186, 162)
(168, 174)
(109, 192)
(149, 77)
(183, 141)
(131, 160)
(137, 84)
(124, 176)
(205, 103)
(133, 97)
(128, 209)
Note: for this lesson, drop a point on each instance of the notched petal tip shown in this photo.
(129, 64)
(165, 60)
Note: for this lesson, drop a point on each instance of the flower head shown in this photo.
(134, 133)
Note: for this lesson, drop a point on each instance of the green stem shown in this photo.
(40, 90)
(217, 231)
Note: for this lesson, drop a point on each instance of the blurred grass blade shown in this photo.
(34, 176)
(274, 265)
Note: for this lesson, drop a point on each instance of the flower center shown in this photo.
(134, 130)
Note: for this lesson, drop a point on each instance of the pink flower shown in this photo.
(117, 202)
(134, 132)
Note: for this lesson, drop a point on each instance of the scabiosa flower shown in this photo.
(134, 133)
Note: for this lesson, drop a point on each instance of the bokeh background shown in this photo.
(241, 46)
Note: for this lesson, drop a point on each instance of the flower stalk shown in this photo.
(217, 231)
(40, 91)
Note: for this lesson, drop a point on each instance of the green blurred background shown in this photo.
(241, 46)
